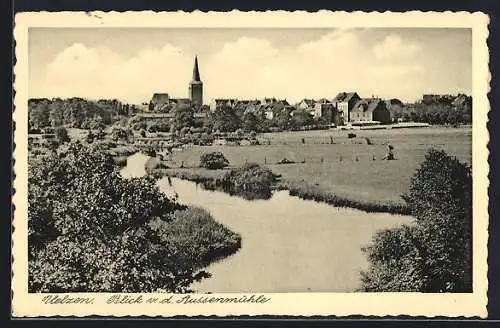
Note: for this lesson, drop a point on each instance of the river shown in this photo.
(288, 244)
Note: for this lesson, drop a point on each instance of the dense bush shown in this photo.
(250, 181)
(92, 230)
(213, 161)
(434, 254)
(62, 134)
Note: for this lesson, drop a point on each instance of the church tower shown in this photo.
(196, 86)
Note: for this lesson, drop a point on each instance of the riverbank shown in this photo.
(307, 192)
(194, 237)
(209, 179)
(288, 244)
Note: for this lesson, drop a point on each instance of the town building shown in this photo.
(326, 111)
(344, 102)
(370, 110)
(180, 102)
(273, 107)
(306, 104)
(160, 99)
(220, 102)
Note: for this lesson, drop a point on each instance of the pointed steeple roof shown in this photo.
(196, 72)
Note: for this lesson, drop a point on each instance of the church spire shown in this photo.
(196, 86)
(196, 72)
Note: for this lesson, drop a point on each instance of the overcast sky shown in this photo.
(132, 64)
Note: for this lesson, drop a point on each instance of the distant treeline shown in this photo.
(75, 112)
(435, 110)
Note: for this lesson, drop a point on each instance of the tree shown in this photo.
(213, 161)
(91, 230)
(62, 134)
(120, 134)
(225, 119)
(250, 122)
(183, 118)
(96, 123)
(39, 113)
(301, 118)
(56, 114)
(434, 254)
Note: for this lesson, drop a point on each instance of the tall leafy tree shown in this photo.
(434, 254)
(92, 230)
(39, 114)
(225, 119)
(183, 118)
(251, 122)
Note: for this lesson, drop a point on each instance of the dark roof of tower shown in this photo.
(196, 72)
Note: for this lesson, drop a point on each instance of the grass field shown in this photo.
(342, 168)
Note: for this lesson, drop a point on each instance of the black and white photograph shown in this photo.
(252, 161)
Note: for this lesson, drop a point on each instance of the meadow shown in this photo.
(328, 162)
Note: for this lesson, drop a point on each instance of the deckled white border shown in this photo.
(303, 304)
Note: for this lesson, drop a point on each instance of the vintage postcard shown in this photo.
(250, 163)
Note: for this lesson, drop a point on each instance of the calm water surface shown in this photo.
(288, 244)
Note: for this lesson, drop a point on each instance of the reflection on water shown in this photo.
(288, 244)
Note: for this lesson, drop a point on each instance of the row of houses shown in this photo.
(447, 99)
(346, 107)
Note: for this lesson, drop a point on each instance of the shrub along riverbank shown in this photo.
(214, 179)
(250, 181)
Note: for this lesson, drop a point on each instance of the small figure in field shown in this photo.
(389, 155)
(357, 159)
(331, 140)
(322, 160)
(373, 158)
(303, 140)
(341, 158)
